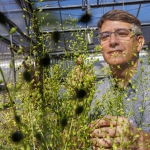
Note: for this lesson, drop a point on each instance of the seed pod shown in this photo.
(12, 30)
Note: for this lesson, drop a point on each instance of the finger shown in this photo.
(102, 142)
(110, 120)
(101, 133)
(118, 120)
(107, 131)
(109, 143)
(123, 143)
(104, 122)
(121, 121)
(97, 148)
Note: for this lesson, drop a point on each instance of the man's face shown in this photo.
(116, 51)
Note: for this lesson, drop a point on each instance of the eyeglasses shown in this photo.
(121, 34)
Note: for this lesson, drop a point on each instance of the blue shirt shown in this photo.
(132, 102)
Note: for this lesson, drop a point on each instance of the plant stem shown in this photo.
(10, 98)
(68, 134)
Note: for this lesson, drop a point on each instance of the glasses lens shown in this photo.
(123, 34)
(104, 37)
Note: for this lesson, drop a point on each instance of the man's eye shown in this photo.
(122, 33)
(105, 36)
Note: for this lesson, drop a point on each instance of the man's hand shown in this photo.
(118, 134)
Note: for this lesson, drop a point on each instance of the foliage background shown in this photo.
(47, 107)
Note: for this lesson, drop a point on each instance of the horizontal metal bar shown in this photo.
(80, 6)
(145, 24)
(110, 4)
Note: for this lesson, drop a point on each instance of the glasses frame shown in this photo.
(98, 35)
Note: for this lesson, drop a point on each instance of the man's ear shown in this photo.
(141, 42)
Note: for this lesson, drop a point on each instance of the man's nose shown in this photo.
(113, 41)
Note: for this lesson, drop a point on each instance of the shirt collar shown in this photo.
(133, 83)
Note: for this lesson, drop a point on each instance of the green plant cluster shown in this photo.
(47, 107)
(42, 110)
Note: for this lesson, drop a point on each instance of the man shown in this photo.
(121, 107)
